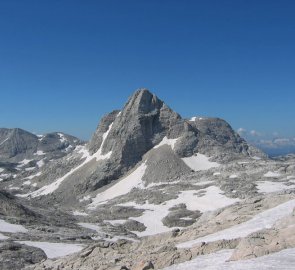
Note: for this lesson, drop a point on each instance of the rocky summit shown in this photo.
(150, 190)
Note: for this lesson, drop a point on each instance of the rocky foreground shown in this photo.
(151, 190)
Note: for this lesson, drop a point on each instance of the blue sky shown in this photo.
(65, 63)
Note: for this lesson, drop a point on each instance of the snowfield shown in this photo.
(123, 187)
(54, 250)
(261, 221)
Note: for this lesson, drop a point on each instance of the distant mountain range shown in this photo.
(276, 146)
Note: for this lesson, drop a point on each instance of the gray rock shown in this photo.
(17, 256)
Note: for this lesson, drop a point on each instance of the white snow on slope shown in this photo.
(40, 163)
(283, 260)
(62, 137)
(90, 226)
(167, 141)
(85, 198)
(267, 186)
(195, 118)
(3, 237)
(23, 162)
(261, 221)
(39, 153)
(152, 217)
(11, 228)
(27, 183)
(54, 250)
(4, 141)
(32, 176)
(233, 176)
(160, 184)
(78, 213)
(123, 187)
(199, 162)
(40, 137)
(14, 188)
(115, 221)
(98, 155)
(272, 174)
(1, 170)
(47, 189)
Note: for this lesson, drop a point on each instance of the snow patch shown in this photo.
(85, 198)
(40, 163)
(90, 226)
(62, 137)
(34, 175)
(77, 213)
(256, 158)
(268, 187)
(233, 176)
(39, 153)
(11, 228)
(3, 237)
(23, 162)
(27, 183)
(195, 118)
(200, 162)
(14, 188)
(203, 183)
(166, 141)
(272, 174)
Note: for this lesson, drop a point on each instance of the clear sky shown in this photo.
(65, 63)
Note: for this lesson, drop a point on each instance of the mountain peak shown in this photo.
(143, 101)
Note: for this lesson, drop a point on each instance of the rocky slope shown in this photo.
(149, 190)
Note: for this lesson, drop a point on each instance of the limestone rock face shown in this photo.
(142, 123)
